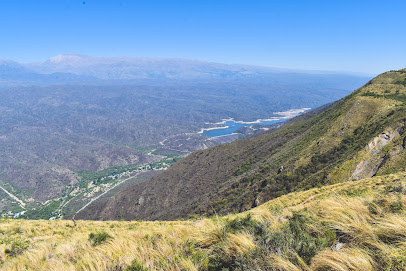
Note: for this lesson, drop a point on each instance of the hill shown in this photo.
(359, 136)
(358, 225)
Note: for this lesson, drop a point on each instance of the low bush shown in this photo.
(99, 238)
(136, 265)
(17, 247)
(304, 235)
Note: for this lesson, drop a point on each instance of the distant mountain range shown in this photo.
(141, 68)
(87, 68)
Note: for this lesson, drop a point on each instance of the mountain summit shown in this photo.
(67, 59)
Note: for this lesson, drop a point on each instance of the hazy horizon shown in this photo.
(344, 36)
(285, 69)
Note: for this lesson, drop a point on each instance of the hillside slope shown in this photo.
(358, 225)
(358, 136)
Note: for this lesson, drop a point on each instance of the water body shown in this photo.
(229, 126)
(232, 126)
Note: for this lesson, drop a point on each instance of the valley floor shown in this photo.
(358, 225)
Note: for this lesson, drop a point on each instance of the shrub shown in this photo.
(244, 224)
(243, 168)
(394, 188)
(401, 81)
(99, 238)
(308, 241)
(17, 247)
(355, 192)
(136, 265)
(304, 235)
(398, 262)
(16, 230)
(396, 206)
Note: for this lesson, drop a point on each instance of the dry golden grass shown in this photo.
(343, 260)
(240, 243)
(369, 220)
(281, 264)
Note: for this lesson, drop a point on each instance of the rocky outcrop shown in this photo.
(379, 150)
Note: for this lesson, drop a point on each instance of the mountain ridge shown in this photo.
(143, 67)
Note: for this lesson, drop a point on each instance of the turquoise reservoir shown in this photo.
(233, 126)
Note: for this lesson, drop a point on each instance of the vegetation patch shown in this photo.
(302, 234)
(99, 238)
(242, 169)
(16, 247)
(395, 96)
(401, 81)
(136, 265)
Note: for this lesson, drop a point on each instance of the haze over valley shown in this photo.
(69, 117)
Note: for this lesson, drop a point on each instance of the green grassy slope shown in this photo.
(359, 136)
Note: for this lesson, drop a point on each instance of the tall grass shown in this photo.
(329, 228)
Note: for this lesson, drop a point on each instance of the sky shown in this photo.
(365, 36)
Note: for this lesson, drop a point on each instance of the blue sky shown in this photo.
(362, 36)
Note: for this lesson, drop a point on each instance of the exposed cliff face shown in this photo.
(386, 146)
(359, 136)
